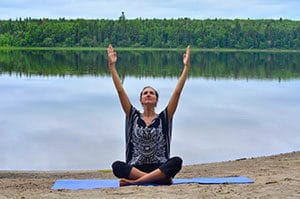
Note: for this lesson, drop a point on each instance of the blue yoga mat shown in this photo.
(114, 183)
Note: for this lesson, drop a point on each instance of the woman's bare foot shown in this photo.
(125, 182)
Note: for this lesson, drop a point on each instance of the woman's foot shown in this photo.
(125, 182)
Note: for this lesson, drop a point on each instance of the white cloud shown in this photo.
(112, 9)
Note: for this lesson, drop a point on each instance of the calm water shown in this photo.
(59, 110)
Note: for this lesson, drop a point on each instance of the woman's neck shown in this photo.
(149, 112)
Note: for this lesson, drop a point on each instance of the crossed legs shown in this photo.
(136, 177)
(161, 174)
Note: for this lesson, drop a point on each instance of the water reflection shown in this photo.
(236, 65)
(76, 122)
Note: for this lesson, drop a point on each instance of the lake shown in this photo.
(59, 109)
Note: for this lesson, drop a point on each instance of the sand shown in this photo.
(276, 176)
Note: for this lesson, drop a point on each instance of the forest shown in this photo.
(151, 33)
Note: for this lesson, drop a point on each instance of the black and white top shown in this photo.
(147, 144)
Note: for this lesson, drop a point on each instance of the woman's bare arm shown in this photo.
(173, 102)
(112, 59)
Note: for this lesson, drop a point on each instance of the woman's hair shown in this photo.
(156, 93)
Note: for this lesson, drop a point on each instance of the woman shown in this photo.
(148, 134)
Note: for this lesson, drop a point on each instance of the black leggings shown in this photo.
(169, 168)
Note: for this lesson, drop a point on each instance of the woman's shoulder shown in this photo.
(134, 111)
(163, 112)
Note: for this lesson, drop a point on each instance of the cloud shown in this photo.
(111, 9)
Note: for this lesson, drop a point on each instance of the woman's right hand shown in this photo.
(112, 55)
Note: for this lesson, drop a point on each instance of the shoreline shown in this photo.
(106, 170)
(10, 48)
(275, 176)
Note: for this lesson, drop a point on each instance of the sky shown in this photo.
(149, 9)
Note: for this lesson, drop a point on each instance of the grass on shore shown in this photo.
(148, 49)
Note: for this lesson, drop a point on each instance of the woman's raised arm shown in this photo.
(173, 102)
(112, 59)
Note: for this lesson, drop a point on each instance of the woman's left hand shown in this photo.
(186, 57)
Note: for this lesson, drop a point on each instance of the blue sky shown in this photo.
(111, 9)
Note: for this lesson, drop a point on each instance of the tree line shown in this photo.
(156, 33)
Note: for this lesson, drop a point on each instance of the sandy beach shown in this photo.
(276, 176)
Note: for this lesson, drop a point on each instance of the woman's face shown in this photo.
(148, 97)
